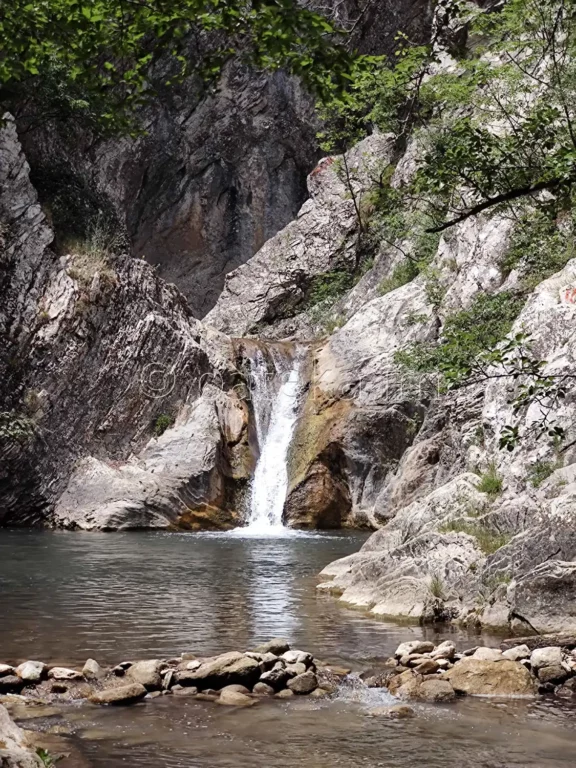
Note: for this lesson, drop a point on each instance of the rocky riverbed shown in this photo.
(418, 671)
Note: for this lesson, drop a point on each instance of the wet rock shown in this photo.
(444, 663)
(437, 691)
(546, 657)
(552, 674)
(124, 694)
(237, 689)
(277, 646)
(396, 712)
(6, 669)
(487, 654)
(31, 671)
(11, 684)
(92, 670)
(64, 673)
(427, 667)
(297, 657)
(226, 669)
(564, 692)
(262, 689)
(517, 653)
(192, 665)
(59, 687)
(14, 751)
(190, 691)
(303, 684)
(404, 678)
(490, 678)
(285, 694)
(338, 671)
(204, 696)
(414, 646)
(276, 678)
(446, 650)
(155, 694)
(319, 693)
(267, 661)
(296, 669)
(233, 698)
(168, 679)
(147, 673)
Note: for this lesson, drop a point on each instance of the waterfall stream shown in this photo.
(275, 402)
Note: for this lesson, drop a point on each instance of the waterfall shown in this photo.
(275, 402)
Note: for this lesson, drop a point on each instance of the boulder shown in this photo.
(427, 667)
(124, 694)
(6, 669)
(92, 670)
(277, 646)
(262, 689)
(319, 693)
(147, 673)
(192, 665)
(552, 674)
(490, 678)
(546, 657)
(276, 678)
(190, 691)
(11, 684)
(296, 669)
(14, 749)
(232, 698)
(517, 653)
(237, 689)
(31, 671)
(404, 678)
(267, 661)
(64, 673)
(396, 712)
(226, 669)
(446, 650)
(303, 684)
(285, 694)
(297, 657)
(435, 690)
(414, 646)
(487, 654)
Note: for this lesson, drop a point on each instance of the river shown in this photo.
(67, 596)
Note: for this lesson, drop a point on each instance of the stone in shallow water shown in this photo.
(414, 646)
(297, 657)
(237, 689)
(490, 678)
(261, 689)
(124, 694)
(226, 669)
(396, 712)
(552, 674)
(437, 691)
(427, 667)
(303, 684)
(64, 673)
(276, 678)
(6, 669)
(31, 671)
(517, 653)
(277, 646)
(179, 691)
(446, 650)
(233, 698)
(147, 673)
(285, 694)
(295, 669)
(487, 654)
(11, 684)
(546, 657)
(92, 670)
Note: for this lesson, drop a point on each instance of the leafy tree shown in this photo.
(97, 56)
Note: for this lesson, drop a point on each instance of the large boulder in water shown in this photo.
(490, 678)
(227, 669)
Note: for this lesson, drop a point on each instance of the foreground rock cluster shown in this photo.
(421, 671)
(234, 678)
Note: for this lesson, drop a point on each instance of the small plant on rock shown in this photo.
(162, 423)
(490, 481)
(540, 471)
(437, 586)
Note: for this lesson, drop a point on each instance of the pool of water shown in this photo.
(66, 596)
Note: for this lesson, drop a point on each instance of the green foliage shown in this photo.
(541, 244)
(541, 470)
(103, 52)
(489, 541)
(490, 481)
(329, 286)
(465, 335)
(404, 273)
(15, 427)
(47, 759)
(436, 587)
(162, 423)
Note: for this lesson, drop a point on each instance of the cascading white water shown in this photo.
(276, 412)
